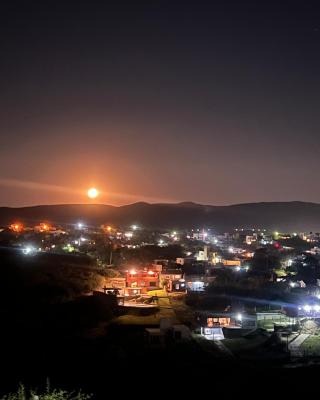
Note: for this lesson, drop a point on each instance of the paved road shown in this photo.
(295, 345)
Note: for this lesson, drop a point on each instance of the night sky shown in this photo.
(216, 102)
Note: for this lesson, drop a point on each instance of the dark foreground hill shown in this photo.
(283, 216)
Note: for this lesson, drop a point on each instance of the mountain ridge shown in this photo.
(285, 216)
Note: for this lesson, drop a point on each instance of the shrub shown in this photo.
(49, 394)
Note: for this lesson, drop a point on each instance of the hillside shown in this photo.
(285, 216)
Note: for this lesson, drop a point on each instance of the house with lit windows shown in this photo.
(213, 324)
(141, 281)
(173, 280)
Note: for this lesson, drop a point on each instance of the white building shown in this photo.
(202, 255)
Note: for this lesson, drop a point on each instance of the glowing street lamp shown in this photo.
(16, 227)
(239, 317)
(28, 250)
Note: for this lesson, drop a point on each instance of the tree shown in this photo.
(265, 261)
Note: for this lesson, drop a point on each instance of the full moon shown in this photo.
(93, 193)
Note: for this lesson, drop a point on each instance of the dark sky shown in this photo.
(215, 102)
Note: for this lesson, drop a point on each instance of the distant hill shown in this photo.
(282, 216)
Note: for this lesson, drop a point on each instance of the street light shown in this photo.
(239, 317)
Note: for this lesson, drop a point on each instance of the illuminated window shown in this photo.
(218, 321)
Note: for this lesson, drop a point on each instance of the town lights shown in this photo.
(309, 308)
(133, 272)
(80, 225)
(150, 272)
(134, 227)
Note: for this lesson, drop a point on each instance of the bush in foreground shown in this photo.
(49, 394)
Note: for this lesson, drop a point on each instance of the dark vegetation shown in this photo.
(147, 254)
(46, 315)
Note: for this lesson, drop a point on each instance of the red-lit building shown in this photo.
(141, 281)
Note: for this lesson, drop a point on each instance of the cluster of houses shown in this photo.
(141, 281)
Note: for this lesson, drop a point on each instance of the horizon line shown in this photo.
(160, 203)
